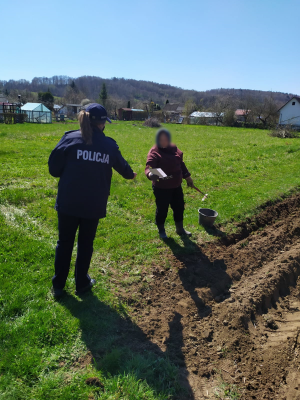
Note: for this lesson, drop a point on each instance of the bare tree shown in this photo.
(112, 106)
(73, 95)
(146, 108)
(221, 105)
(189, 107)
(267, 111)
(247, 104)
(26, 96)
(137, 91)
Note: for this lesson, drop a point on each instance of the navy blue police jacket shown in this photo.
(85, 173)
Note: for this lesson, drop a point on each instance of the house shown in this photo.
(57, 109)
(242, 115)
(9, 112)
(205, 118)
(6, 107)
(37, 113)
(132, 114)
(70, 109)
(173, 108)
(173, 112)
(289, 114)
(74, 108)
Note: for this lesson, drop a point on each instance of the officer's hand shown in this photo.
(134, 175)
(153, 177)
(189, 182)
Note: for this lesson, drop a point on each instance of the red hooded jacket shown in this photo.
(170, 160)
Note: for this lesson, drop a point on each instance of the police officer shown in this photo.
(83, 160)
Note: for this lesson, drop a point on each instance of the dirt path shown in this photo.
(229, 313)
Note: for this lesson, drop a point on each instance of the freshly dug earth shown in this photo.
(228, 314)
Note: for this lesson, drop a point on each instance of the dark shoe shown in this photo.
(162, 232)
(180, 229)
(57, 293)
(86, 288)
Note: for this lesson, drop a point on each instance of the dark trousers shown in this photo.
(165, 198)
(67, 228)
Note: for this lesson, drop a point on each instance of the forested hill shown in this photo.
(133, 90)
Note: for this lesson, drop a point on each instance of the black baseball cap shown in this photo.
(97, 112)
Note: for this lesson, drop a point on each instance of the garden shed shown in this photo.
(37, 112)
(130, 114)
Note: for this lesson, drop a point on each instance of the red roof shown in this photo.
(241, 112)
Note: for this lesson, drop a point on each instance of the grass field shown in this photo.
(43, 342)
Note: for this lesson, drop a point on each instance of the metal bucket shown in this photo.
(207, 217)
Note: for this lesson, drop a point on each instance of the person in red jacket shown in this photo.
(168, 191)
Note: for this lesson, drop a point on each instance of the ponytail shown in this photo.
(85, 126)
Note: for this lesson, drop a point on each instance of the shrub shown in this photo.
(84, 102)
(202, 121)
(229, 118)
(152, 123)
(284, 132)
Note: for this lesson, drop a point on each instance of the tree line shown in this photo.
(123, 90)
(114, 93)
(255, 111)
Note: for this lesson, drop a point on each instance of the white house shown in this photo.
(205, 117)
(289, 114)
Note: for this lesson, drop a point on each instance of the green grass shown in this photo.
(43, 341)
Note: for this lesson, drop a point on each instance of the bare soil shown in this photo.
(228, 313)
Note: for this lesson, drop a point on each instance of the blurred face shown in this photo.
(163, 141)
(101, 126)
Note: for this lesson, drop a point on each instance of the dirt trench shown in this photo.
(228, 313)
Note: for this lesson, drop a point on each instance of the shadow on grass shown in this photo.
(204, 278)
(119, 347)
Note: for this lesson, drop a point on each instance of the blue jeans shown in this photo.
(67, 228)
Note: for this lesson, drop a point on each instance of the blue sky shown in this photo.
(194, 44)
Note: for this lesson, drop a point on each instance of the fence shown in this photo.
(12, 118)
